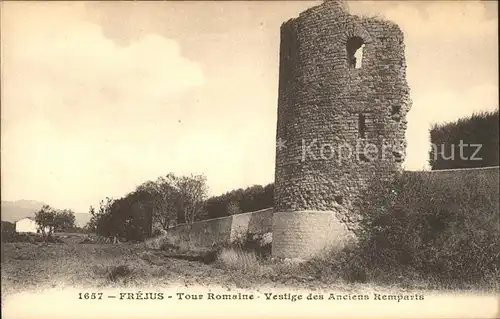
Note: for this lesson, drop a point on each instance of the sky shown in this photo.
(100, 97)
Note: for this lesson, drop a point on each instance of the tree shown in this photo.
(99, 223)
(125, 218)
(64, 220)
(168, 199)
(129, 219)
(160, 198)
(91, 225)
(192, 192)
(250, 199)
(50, 220)
(45, 219)
(233, 208)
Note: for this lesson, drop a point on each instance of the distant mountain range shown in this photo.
(12, 211)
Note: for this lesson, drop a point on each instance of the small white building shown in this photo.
(27, 225)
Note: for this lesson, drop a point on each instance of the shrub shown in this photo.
(156, 242)
(260, 244)
(29, 238)
(429, 225)
(335, 265)
(116, 272)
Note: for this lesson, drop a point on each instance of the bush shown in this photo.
(28, 238)
(335, 265)
(439, 227)
(97, 239)
(116, 272)
(17, 238)
(260, 244)
(156, 242)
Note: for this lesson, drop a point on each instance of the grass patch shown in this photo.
(156, 242)
(237, 259)
(114, 273)
(345, 265)
(14, 237)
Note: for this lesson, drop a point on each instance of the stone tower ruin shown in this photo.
(341, 123)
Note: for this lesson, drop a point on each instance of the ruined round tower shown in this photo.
(342, 105)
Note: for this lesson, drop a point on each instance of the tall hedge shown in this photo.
(479, 129)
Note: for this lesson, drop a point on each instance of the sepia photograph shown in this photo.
(193, 159)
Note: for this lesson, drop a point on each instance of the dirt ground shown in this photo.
(35, 266)
(28, 266)
(71, 266)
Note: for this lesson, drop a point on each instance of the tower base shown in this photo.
(301, 235)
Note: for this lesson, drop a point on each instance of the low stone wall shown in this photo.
(224, 230)
(258, 222)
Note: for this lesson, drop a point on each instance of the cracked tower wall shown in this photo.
(328, 111)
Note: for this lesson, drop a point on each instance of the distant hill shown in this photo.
(13, 211)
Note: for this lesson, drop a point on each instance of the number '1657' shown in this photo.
(90, 295)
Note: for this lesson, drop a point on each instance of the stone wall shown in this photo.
(223, 230)
(314, 230)
(328, 112)
(476, 174)
(258, 222)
